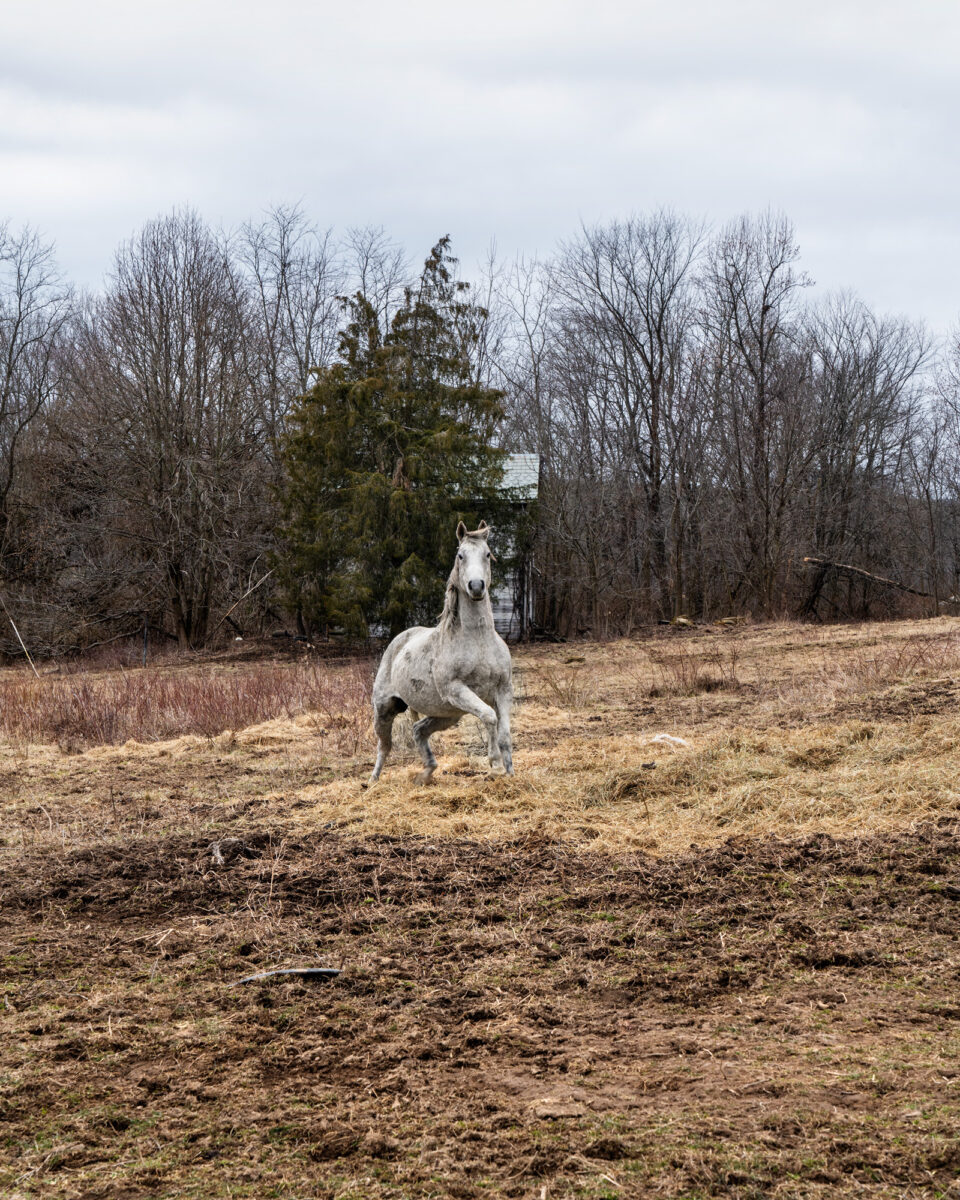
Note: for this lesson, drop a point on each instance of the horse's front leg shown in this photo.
(493, 750)
(460, 696)
(504, 702)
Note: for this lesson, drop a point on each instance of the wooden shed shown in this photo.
(513, 599)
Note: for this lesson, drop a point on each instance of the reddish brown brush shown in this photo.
(151, 705)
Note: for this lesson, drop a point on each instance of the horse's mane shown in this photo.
(450, 617)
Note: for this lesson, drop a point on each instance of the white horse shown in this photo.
(460, 666)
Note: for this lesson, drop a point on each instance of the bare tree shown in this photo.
(35, 306)
(866, 376)
(296, 274)
(523, 296)
(751, 309)
(378, 267)
(176, 423)
(627, 291)
(945, 405)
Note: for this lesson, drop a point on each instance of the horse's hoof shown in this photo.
(426, 775)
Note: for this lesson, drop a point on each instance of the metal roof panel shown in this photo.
(522, 471)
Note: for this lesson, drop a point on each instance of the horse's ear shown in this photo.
(483, 529)
(461, 532)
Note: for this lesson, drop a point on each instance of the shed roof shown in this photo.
(522, 471)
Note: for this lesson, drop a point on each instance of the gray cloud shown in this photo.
(513, 121)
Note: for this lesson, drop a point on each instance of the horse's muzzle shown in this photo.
(476, 588)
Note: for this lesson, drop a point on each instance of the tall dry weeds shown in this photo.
(83, 710)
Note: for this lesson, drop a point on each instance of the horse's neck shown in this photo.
(476, 616)
(468, 618)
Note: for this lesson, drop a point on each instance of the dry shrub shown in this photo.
(899, 663)
(627, 783)
(684, 673)
(152, 705)
(566, 684)
(643, 782)
(819, 674)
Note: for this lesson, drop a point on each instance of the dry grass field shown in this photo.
(721, 963)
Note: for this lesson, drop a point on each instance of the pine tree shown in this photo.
(391, 446)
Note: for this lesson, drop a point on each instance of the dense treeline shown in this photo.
(704, 420)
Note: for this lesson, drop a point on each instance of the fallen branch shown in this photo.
(844, 569)
(110, 640)
(313, 973)
(19, 638)
(248, 592)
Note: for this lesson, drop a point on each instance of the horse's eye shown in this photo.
(460, 556)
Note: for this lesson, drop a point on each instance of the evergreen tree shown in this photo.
(391, 446)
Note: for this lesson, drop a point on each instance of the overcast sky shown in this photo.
(512, 121)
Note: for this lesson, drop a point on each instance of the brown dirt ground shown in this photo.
(535, 1008)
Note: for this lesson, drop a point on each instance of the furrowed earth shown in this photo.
(724, 964)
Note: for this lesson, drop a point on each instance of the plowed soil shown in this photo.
(767, 1018)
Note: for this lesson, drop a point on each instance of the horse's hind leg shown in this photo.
(383, 718)
(383, 727)
(422, 732)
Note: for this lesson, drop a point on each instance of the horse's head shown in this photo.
(473, 561)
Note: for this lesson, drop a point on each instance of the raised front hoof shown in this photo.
(425, 775)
